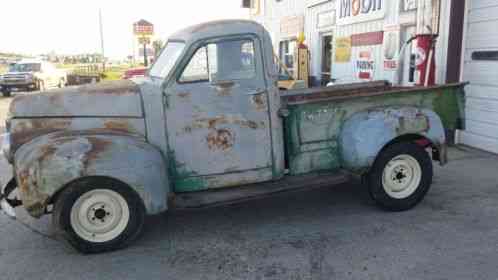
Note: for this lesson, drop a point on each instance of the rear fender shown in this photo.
(366, 133)
(47, 164)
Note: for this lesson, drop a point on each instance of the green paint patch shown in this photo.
(189, 184)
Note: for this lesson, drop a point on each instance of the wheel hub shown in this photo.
(401, 176)
(100, 215)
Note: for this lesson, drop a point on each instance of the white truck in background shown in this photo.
(30, 75)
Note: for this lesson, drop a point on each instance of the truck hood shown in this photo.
(106, 99)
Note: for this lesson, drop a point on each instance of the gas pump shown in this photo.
(425, 61)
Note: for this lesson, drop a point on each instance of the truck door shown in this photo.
(218, 117)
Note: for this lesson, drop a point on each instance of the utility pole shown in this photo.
(102, 39)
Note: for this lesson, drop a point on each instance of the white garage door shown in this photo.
(481, 70)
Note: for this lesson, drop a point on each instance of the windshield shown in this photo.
(166, 60)
(25, 67)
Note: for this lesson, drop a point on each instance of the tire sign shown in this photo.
(365, 65)
(391, 48)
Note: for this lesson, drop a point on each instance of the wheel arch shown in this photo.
(366, 134)
(55, 196)
(49, 163)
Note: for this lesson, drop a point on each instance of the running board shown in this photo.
(233, 195)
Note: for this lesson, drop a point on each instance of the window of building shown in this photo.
(227, 60)
(287, 51)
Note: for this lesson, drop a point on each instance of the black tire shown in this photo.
(6, 93)
(67, 198)
(40, 85)
(62, 83)
(375, 177)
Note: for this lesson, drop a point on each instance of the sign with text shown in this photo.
(365, 65)
(353, 11)
(143, 28)
(343, 49)
(367, 39)
(391, 47)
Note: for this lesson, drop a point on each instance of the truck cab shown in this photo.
(209, 126)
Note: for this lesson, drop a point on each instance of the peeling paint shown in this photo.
(214, 122)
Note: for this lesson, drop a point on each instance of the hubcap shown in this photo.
(100, 215)
(401, 176)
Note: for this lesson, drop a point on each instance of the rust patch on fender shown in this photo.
(26, 130)
(118, 125)
(220, 139)
(99, 146)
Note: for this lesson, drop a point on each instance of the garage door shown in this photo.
(481, 70)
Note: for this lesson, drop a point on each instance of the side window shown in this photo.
(236, 60)
(197, 68)
(222, 61)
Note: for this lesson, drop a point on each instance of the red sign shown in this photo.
(367, 39)
(143, 28)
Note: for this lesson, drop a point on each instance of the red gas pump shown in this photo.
(426, 59)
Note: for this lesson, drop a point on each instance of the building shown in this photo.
(354, 40)
(362, 40)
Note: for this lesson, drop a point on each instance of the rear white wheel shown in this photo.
(401, 176)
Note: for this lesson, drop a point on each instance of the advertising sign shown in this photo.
(365, 65)
(353, 11)
(391, 47)
(143, 28)
(343, 49)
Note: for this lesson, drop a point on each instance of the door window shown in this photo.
(197, 68)
(226, 60)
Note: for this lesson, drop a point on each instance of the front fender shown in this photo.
(365, 134)
(48, 163)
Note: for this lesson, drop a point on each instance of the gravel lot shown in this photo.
(334, 233)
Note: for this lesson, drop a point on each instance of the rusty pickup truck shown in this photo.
(208, 126)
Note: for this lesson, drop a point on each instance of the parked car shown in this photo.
(29, 75)
(209, 126)
(134, 73)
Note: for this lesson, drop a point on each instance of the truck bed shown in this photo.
(315, 117)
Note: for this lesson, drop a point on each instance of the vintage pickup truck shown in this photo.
(208, 126)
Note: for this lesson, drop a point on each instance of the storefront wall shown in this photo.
(365, 59)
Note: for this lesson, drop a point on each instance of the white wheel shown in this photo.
(401, 176)
(100, 215)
